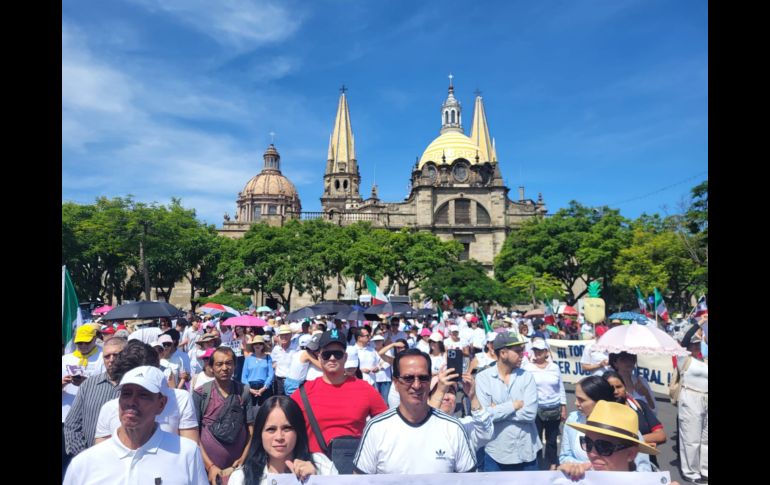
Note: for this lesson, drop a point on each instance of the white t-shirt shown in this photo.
(313, 373)
(550, 387)
(298, 369)
(352, 361)
(169, 369)
(438, 445)
(594, 357)
(368, 359)
(179, 413)
(182, 360)
(423, 346)
(175, 460)
(282, 360)
(323, 465)
(479, 338)
(95, 366)
(436, 363)
(451, 344)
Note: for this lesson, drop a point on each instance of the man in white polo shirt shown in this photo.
(281, 356)
(139, 452)
(437, 442)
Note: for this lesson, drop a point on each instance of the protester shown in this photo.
(215, 400)
(437, 353)
(423, 344)
(140, 451)
(341, 404)
(382, 378)
(430, 433)
(694, 409)
(649, 425)
(637, 386)
(510, 395)
(208, 371)
(610, 440)
(368, 360)
(281, 356)
(80, 424)
(280, 445)
(588, 392)
(84, 362)
(180, 359)
(258, 372)
(551, 402)
(485, 359)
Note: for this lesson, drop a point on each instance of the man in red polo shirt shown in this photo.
(341, 404)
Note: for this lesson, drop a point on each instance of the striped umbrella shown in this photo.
(218, 309)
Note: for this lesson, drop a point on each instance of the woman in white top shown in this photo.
(280, 445)
(437, 353)
(382, 378)
(300, 365)
(424, 344)
(485, 359)
(694, 408)
(551, 402)
(208, 372)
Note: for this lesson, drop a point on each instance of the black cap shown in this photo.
(506, 339)
(332, 336)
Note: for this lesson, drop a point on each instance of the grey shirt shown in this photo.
(515, 437)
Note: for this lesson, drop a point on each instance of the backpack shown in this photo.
(233, 416)
(676, 385)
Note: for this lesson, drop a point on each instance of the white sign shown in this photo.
(657, 369)
(496, 478)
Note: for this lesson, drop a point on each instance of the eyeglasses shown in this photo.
(167, 344)
(363, 335)
(328, 354)
(603, 447)
(410, 379)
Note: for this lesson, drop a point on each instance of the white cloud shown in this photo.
(236, 23)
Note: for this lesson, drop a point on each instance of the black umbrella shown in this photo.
(390, 307)
(329, 307)
(302, 313)
(356, 315)
(142, 309)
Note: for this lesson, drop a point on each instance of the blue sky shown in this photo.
(601, 101)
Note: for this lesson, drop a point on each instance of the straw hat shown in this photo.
(616, 420)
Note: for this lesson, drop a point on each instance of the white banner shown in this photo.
(657, 369)
(497, 478)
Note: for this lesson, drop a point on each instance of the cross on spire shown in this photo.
(450, 79)
(343, 89)
(477, 92)
(272, 137)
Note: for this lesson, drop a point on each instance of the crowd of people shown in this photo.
(194, 401)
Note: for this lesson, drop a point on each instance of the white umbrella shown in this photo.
(640, 340)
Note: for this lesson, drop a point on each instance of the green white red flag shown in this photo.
(377, 295)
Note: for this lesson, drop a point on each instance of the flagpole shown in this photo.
(695, 308)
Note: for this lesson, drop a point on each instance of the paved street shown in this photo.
(666, 412)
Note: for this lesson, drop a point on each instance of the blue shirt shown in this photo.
(515, 437)
(571, 452)
(258, 370)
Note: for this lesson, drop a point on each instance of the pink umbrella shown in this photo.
(102, 310)
(640, 340)
(245, 321)
(217, 309)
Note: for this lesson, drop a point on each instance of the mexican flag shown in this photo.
(487, 326)
(70, 311)
(702, 308)
(377, 295)
(640, 300)
(660, 305)
(548, 315)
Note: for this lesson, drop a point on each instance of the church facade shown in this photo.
(457, 190)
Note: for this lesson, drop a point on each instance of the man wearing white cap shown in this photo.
(139, 452)
(281, 355)
(455, 342)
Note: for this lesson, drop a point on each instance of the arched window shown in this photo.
(453, 116)
(442, 215)
(462, 211)
(446, 117)
(482, 216)
(257, 212)
(345, 185)
(337, 185)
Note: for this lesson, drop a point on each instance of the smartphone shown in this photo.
(454, 360)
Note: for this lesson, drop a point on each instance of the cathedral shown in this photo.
(457, 190)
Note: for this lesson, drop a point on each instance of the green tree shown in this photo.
(527, 287)
(416, 255)
(465, 283)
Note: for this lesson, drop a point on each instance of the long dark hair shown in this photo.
(612, 374)
(258, 458)
(597, 389)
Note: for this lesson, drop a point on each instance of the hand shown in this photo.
(185, 375)
(575, 471)
(77, 380)
(302, 469)
(399, 345)
(518, 404)
(237, 463)
(254, 392)
(445, 379)
(604, 363)
(563, 413)
(469, 386)
(214, 472)
(66, 380)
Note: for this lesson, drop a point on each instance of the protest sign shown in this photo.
(657, 369)
(497, 478)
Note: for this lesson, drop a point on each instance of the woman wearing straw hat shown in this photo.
(611, 440)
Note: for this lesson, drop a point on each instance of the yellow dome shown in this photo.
(269, 183)
(451, 144)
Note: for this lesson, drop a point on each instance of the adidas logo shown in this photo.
(441, 455)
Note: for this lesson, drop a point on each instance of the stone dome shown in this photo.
(271, 183)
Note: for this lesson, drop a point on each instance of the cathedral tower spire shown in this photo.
(342, 178)
(480, 132)
(451, 112)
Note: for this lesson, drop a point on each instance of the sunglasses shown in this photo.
(603, 447)
(424, 379)
(328, 354)
(167, 344)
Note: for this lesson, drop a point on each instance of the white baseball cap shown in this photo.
(539, 344)
(436, 337)
(304, 340)
(454, 328)
(377, 338)
(148, 377)
(491, 336)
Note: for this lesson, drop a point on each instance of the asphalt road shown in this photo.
(668, 459)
